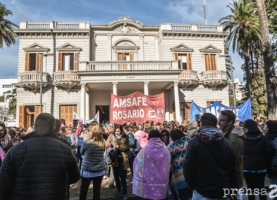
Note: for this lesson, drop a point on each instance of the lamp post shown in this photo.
(41, 79)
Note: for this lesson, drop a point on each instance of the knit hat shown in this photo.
(12, 133)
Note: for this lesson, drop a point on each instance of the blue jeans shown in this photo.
(197, 196)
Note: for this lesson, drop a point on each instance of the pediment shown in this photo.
(68, 47)
(36, 48)
(210, 49)
(125, 44)
(125, 20)
(181, 48)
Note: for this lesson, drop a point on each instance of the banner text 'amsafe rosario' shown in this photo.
(137, 107)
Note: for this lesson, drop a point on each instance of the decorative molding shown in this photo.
(210, 49)
(68, 47)
(124, 19)
(187, 83)
(36, 48)
(190, 35)
(67, 85)
(126, 47)
(181, 48)
(214, 84)
(125, 29)
(50, 35)
(34, 87)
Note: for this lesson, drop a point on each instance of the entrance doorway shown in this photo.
(104, 113)
(28, 114)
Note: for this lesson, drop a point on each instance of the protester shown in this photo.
(165, 136)
(14, 137)
(192, 130)
(132, 142)
(177, 151)
(40, 167)
(151, 169)
(258, 153)
(5, 140)
(93, 165)
(236, 136)
(142, 138)
(120, 141)
(210, 162)
(271, 135)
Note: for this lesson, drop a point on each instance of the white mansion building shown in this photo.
(84, 63)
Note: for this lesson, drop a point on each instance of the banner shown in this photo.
(137, 107)
(243, 110)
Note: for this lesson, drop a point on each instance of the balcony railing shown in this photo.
(181, 28)
(207, 28)
(33, 76)
(188, 74)
(63, 76)
(214, 75)
(38, 25)
(131, 65)
(67, 25)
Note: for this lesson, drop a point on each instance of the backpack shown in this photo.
(110, 155)
(273, 165)
(137, 146)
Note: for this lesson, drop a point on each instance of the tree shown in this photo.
(7, 34)
(268, 61)
(244, 31)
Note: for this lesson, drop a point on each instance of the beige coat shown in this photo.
(124, 147)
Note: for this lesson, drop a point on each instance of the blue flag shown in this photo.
(243, 110)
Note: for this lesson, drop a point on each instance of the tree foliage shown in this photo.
(7, 34)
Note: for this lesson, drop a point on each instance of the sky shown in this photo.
(149, 12)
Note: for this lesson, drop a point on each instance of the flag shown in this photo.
(76, 116)
(96, 118)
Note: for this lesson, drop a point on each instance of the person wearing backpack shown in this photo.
(271, 134)
(258, 153)
(120, 141)
(132, 142)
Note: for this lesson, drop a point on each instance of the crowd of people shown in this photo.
(198, 160)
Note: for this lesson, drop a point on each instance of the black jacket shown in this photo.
(258, 152)
(210, 167)
(41, 167)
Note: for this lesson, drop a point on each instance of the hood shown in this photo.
(239, 131)
(211, 135)
(254, 136)
(210, 130)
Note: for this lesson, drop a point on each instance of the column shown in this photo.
(87, 106)
(157, 46)
(109, 47)
(82, 103)
(177, 101)
(141, 38)
(146, 91)
(115, 87)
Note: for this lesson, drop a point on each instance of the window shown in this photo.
(184, 61)
(33, 61)
(67, 61)
(7, 86)
(210, 62)
(125, 57)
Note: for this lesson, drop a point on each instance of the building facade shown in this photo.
(6, 85)
(83, 63)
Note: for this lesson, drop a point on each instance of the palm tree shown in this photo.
(268, 61)
(243, 27)
(7, 34)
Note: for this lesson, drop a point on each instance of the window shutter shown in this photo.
(213, 62)
(131, 56)
(22, 116)
(60, 61)
(38, 61)
(120, 56)
(207, 62)
(76, 61)
(187, 111)
(189, 67)
(173, 111)
(27, 62)
(176, 56)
